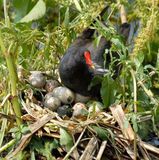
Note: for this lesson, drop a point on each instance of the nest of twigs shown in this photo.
(97, 135)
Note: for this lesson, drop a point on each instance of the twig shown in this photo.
(89, 150)
(121, 119)
(144, 153)
(75, 145)
(149, 147)
(101, 150)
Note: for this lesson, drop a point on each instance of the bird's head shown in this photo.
(97, 70)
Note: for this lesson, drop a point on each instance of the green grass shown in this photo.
(39, 45)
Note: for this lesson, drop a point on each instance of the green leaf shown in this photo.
(126, 123)
(32, 156)
(25, 130)
(134, 122)
(21, 8)
(20, 155)
(145, 129)
(47, 150)
(118, 44)
(44, 146)
(97, 40)
(13, 130)
(83, 3)
(66, 139)
(37, 12)
(77, 5)
(67, 17)
(102, 133)
(139, 60)
(108, 91)
(156, 115)
(157, 61)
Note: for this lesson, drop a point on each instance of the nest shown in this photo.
(98, 135)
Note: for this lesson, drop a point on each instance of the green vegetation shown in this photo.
(34, 35)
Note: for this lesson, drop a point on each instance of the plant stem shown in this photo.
(12, 71)
(13, 81)
(9, 144)
(6, 13)
(135, 110)
(135, 90)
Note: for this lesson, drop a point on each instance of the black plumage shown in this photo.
(75, 72)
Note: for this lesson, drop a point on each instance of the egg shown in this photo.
(64, 94)
(48, 95)
(52, 103)
(79, 110)
(37, 79)
(51, 85)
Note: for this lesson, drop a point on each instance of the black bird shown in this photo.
(83, 60)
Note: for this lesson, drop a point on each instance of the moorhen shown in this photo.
(83, 61)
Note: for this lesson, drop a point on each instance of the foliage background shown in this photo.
(39, 42)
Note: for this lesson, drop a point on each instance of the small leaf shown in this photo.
(37, 12)
(32, 155)
(97, 40)
(117, 43)
(18, 136)
(21, 8)
(108, 91)
(157, 61)
(134, 122)
(77, 5)
(67, 17)
(126, 123)
(47, 150)
(25, 130)
(66, 139)
(13, 130)
(139, 60)
(44, 146)
(156, 115)
(83, 3)
(102, 133)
